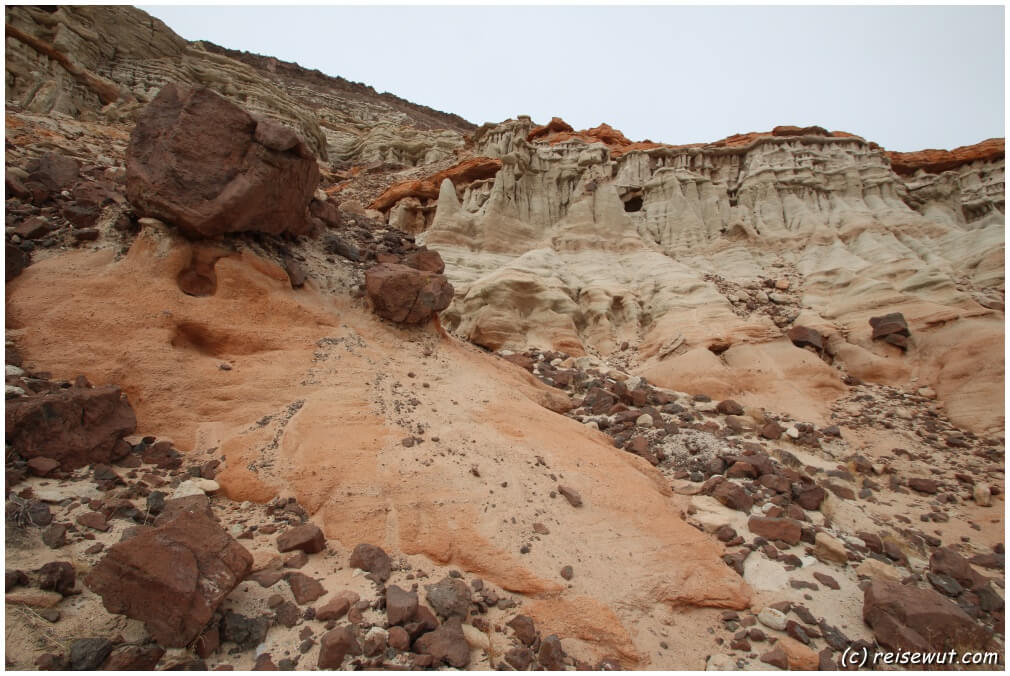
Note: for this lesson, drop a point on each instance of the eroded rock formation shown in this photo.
(736, 383)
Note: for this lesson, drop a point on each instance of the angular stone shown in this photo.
(551, 656)
(786, 530)
(908, 618)
(446, 644)
(88, 654)
(76, 426)
(171, 577)
(372, 559)
(335, 645)
(524, 628)
(406, 295)
(401, 606)
(450, 597)
(333, 609)
(304, 588)
(195, 160)
(308, 538)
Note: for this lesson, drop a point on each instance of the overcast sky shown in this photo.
(907, 77)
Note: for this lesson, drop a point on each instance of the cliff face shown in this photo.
(576, 466)
(571, 248)
(98, 60)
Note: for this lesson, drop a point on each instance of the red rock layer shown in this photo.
(935, 161)
(474, 169)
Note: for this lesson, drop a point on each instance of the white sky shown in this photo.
(908, 77)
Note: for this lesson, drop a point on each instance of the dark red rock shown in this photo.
(162, 454)
(519, 658)
(208, 642)
(810, 498)
(200, 162)
(786, 530)
(398, 638)
(446, 644)
(171, 577)
(742, 470)
(524, 628)
(94, 520)
(130, 657)
(333, 609)
(927, 486)
(372, 559)
(76, 426)
(401, 606)
(771, 430)
(16, 261)
(890, 324)
(779, 484)
(551, 656)
(946, 561)
(904, 617)
(59, 576)
(307, 538)
(407, 295)
(804, 336)
(776, 657)
(33, 228)
(729, 407)
(55, 536)
(449, 597)
(54, 171)
(304, 588)
(337, 644)
(731, 495)
(426, 260)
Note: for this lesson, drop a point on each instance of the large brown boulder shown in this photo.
(76, 426)
(908, 618)
(407, 295)
(200, 162)
(172, 577)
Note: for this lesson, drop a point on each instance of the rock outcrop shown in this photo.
(203, 164)
(77, 426)
(575, 247)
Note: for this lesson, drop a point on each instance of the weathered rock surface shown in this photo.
(907, 618)
(407, 295)
(203, 164)
(76, 426)
(172, 577)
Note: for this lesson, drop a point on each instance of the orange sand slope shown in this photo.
(317, 403)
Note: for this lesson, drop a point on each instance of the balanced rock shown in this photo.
(77, 426)
(200, 162)
(172, 577)
(407, 295)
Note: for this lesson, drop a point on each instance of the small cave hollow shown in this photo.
(633, 204)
